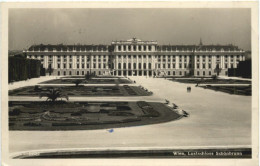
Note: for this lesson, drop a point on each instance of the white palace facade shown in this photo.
(135, 57)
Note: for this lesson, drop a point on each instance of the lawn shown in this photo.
(237, 90)
(90, 81)
(61, 115)
(83, 90)
(211, 81)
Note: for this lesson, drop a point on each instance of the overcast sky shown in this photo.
(101, 26)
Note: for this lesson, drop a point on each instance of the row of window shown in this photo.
(134, 48)
(129, 56)
(140, 66)
(98, 66)
(79, 73)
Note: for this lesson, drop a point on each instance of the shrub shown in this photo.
(32, 124)
(122, 108)
(77, 82)
(103, 111)
(76, 114)
(14, 112)
(53, 94)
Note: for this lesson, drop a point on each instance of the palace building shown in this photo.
(135, 57)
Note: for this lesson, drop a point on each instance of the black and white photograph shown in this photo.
(130, 83)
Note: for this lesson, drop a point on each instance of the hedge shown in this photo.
(20, 68)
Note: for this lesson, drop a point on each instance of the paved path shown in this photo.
(235, 78)
(216, 119)
(224, 84)
(87, 84)
(30, 82)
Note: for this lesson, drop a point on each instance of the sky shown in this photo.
(102, 26)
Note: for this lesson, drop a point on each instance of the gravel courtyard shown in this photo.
(213, 122)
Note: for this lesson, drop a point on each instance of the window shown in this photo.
(204, 73)
(64, 73)
(144, 65)
(226, 66)
(70, 73)
(159, 66)
(173, 65)
(124, 66)
(169, 73)
(99, 66)
(77, 66)
(119, 65)
(173, 73)
(64, 66)
(129, 65)
(82, 73)
(209, 66)
(180, 66)
(134, 65)
(169, 65)
(210, 73)
(58, 73)
(198, 65)
(58, 65)
(77, 72)
(198, 73)
(139, 65)
(104, 65)
(94, 65)
(150, 48)
(82, 66)
(204, 66)
(88, 65)
(180, 73)
(70, 66)
(164, 66)
(150, 66)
